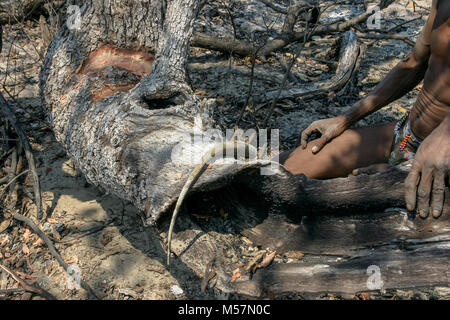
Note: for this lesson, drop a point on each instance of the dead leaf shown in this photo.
(365, 296)
(156, 268)
(27, 235)
(267, 260)
(55, 233)
(74, 260)
(39, 250)
(38, 242)
(210, 272)
(51, 220)
(258, 257)
(5, 225)
(236, 274)
(26, 250)
(198, 216)
(402, 110)
(247, 241)
(180, 175)
(331, 95)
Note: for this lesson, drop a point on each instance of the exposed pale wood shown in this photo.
(381, 36)
(122, 142)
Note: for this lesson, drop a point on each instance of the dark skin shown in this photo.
(341, 151)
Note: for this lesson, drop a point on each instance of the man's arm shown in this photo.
(400, 80)
(431, 166)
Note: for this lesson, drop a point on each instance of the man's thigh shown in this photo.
(355, 148)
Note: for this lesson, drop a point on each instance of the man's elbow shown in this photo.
(420, 56)
(414, 64)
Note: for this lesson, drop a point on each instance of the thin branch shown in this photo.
(24, 110)
(230, 14)
(243, 48)
(402, 24)
(13, 290)
(27, 286)
(28, 152)
(294, 10)
(12, 181)
(300, 47)
(53, 250)
(380, 36)
(275, 7)
(249, 94)
(283, 83)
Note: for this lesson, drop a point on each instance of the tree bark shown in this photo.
(115, 93)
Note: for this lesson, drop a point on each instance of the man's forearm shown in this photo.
(399, 81)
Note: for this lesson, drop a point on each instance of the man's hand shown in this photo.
(430, 168)
(328, 128)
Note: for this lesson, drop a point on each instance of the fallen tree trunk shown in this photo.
(298, 196)
(339, 224)
(119, 109)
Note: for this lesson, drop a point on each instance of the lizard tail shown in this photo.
(220, 149)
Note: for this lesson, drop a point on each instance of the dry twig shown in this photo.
(53, 251)
(26, 286)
